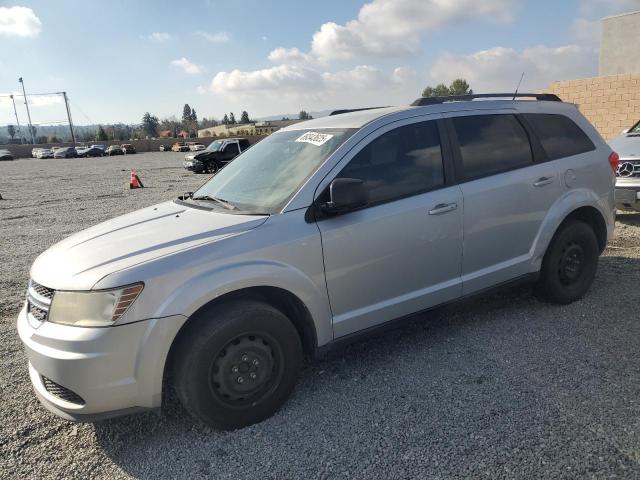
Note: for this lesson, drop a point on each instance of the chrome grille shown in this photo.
(41, 290)
(39, 300)
(628, 168)
(61, 392)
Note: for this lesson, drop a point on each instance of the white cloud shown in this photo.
(159, 36)
(404, 75)
(45, 100)
(500, 68)
(360, 77)
(282, 78)
(218, 37)
(290, 56)
(19, 21)
(187, 66)
(385, 27)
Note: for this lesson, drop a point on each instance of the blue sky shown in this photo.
(118, 59)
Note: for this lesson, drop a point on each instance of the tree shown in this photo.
(53, 139)
(244, 118)
(33, 129)
(439, 90)
(186, 114)
(41, 139)
(303, 115)
(458, 87)
(232, 118)
(225, 119)
(101, 135)
(150, 124)
(11, 130)
(193, 117)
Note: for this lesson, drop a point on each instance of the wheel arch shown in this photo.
(279, 298)
(592, 217)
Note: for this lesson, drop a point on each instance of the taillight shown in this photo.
(614, 161)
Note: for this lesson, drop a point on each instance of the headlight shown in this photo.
(92, 309)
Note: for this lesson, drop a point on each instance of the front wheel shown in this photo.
(237, 364)
(570, 263)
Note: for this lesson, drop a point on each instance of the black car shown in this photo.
(113, 150)
(90, 152)
(127, 148)
(6, 155)
(65, 152)
(215, 156)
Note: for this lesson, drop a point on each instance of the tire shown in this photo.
(570, 263)
(237, 364)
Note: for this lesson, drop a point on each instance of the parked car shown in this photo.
(90, 152)
(44, 153)
(127, 148)
(179, 147)
(215, 156)
(627, 145)
(165, 148)
(34, 152)
(195, 147)
(322, 232)
(5, 155)
(99, 145)
(114, 150)
(65, 152)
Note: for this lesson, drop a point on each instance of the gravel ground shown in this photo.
(500, 387)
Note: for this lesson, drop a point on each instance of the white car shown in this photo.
(44, 153)
(196, 147)
(34, 152)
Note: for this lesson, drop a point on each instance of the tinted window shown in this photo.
(559, 135)
(399, 163)
(491, 144)
(231, 148)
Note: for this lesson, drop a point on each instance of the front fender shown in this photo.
(567, 203)
(187, 298)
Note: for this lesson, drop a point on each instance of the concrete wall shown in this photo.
(24, 151)
(620, 45)
(611, 103)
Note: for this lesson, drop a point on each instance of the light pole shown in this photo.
(26, 104)
(15, 111)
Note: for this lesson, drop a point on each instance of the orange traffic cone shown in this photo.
(135, 180)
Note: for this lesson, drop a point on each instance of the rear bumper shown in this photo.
(627, 195)
(99, 372)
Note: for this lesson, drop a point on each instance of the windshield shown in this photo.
(265, 177)
(214, 146)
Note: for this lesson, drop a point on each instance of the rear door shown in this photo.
(401, 253)
(508, 189)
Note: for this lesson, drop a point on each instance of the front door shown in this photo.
(402, 253)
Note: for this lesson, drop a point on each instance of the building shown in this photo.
(227, 130)
(267, 127)
(611, 101)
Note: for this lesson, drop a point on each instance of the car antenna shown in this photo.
(518, 87)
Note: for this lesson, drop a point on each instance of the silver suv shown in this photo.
(324, 230)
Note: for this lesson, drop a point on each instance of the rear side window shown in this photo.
(491, 144)
(402, 162)
(231, 148)
(559, 135)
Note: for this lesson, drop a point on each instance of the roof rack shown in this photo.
(423, 101)
(349, 110)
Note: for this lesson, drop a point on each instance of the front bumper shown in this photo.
(193, 167)
(627, 194)
(113, 370)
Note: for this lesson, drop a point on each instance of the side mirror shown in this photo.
(345, 195)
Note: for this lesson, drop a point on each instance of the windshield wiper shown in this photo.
(225, 203)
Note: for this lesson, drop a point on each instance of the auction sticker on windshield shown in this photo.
(314, 138)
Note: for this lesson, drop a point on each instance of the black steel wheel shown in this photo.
(236, 363)
(570, 263)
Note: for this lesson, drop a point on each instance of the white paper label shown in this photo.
(315, 138)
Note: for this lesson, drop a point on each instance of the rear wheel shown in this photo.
(237, 364)
(570, 263)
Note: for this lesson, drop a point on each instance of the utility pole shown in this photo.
(15, 111)
(66, 103)
(26, 104)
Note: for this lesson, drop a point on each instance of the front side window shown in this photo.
(265, 177)
(402, 162)
(215, 146)
(559, 135)
(491, 144)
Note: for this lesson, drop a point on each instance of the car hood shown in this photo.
(626, 145)
(80, 261)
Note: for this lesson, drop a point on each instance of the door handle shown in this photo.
(542, 181)
(443, 208)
